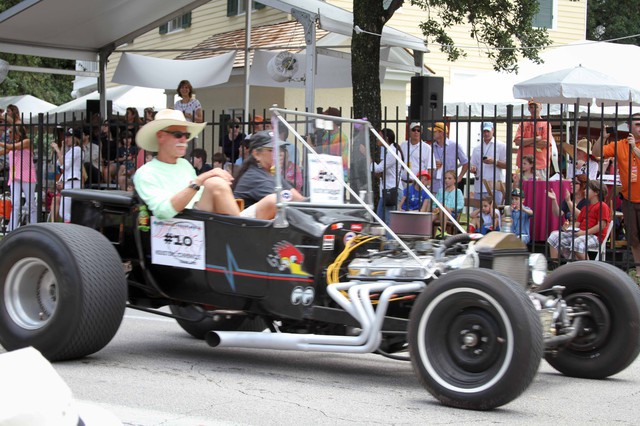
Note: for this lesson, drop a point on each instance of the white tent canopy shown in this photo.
(147, 71)
(495, 88)
(27, 104)
(579, 85)
(122, 98)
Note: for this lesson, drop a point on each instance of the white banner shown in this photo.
(323, 181)
(178, 242)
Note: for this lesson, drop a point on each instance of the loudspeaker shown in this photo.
(426, 98)
(93, 107)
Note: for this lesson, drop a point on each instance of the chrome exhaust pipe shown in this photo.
(367, 341)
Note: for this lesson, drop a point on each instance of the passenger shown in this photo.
(588, 230)
(168, 184)
(255, 180)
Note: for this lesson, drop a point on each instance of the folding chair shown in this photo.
(602, 248)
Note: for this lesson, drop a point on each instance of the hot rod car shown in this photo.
(475, 313)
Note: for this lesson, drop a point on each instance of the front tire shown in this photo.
(610, 336)
(475, 339)
(62, 290)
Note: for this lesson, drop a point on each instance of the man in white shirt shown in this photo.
(447, 155)
(488, 162)
(416, 152)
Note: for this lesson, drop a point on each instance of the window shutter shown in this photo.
(232, 7)
(164, 28)
(186, 20)
(544, 18)
(257, 6)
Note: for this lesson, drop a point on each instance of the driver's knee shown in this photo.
(217, 186)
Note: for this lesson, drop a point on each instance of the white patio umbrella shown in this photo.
(578, 85)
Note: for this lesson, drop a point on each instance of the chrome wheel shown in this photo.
(31, 293)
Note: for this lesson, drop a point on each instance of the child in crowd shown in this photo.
(487, 218)
(520, 215)
(414, 197)
(589, 229)
(219, 159)
(527, 172)
(449, 196)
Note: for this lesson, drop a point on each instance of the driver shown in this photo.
(168, 184)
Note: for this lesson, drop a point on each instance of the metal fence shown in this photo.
(116, 163)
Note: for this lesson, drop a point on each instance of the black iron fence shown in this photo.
(109, 160)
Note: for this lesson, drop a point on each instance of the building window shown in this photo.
(176, 24)
(239, 7)
(546, 16)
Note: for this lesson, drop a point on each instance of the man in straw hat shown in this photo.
(583, 164)
(532, 138)
(168, 184)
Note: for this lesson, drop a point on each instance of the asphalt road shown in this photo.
(153, 373)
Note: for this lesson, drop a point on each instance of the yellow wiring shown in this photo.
(333, 270)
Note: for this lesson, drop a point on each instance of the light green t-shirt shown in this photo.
(156, 182)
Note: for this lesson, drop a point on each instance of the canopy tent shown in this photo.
(494, 89)
(147, 71)
(27, 104)
(122, 97)
(92, 29)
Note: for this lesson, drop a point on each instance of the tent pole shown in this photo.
(308, 22)
(102, 83)
(247, 48)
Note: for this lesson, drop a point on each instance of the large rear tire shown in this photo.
(62, 290)
(475, 339)
(609, 339)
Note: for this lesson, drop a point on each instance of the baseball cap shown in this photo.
(517, 192)
(262, 139)
(414, 124)
(423, 173)
(438, 126)
(487, 125)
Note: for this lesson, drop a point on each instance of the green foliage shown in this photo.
(608, 20)
(52, 88)
(504, 27)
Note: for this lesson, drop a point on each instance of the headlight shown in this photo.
(537, 268)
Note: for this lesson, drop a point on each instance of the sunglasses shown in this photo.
(237, 126)
(178, 134)
(415, 130)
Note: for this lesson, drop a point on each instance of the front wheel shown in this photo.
(62, 290)
(609, 302)
(475, 339)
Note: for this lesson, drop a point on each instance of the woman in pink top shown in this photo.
(22, 173)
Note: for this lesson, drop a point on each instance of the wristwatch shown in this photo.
(194, 185)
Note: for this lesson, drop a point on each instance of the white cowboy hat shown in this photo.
(146, 136)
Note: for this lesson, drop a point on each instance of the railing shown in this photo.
(465, 134)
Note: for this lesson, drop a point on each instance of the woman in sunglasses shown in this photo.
(232, 140)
